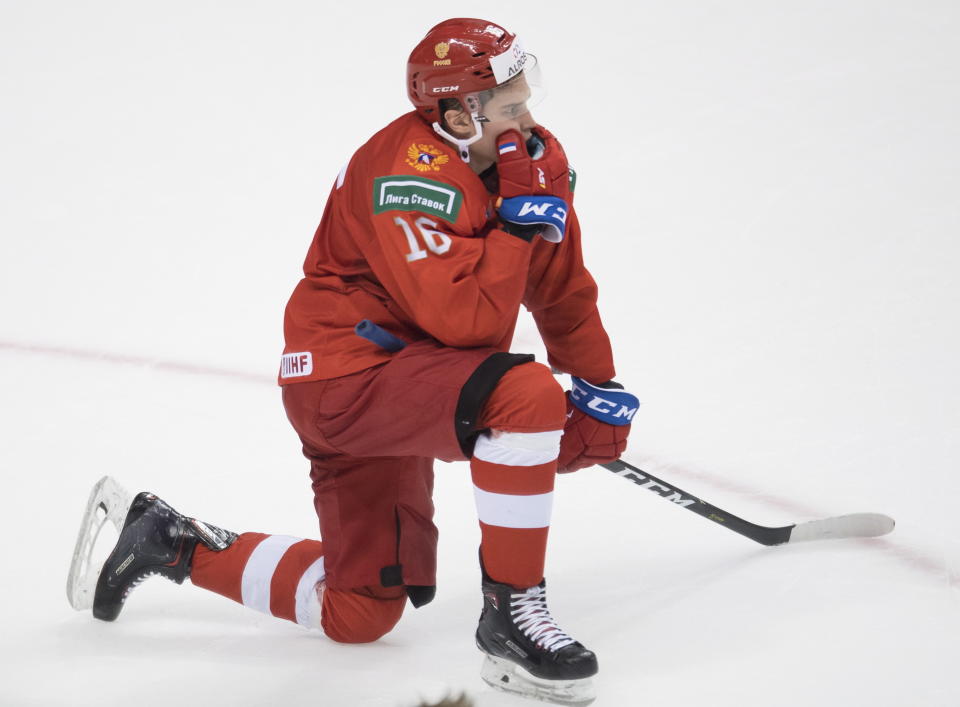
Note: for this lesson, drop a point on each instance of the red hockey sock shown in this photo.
(275, 574)
(513, 488)
(513, 470)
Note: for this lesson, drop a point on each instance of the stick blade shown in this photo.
(854, 525)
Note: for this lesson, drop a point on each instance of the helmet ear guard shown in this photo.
(463, 144)
(472, 104)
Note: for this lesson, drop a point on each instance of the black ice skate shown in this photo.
(154, 540)
(527, 653)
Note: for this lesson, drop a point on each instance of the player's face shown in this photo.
(509, 102)
(506, 110)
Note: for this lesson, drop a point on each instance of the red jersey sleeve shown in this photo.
(425, 244)
(562, 296)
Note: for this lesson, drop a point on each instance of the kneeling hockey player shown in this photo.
(434, 234)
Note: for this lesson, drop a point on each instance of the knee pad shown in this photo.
(527, 399)
(361, 615)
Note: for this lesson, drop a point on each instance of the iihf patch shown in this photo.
(508, 147)
(294, 365)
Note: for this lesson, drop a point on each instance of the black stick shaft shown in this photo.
(759, 533)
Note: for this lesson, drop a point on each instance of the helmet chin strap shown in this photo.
(463, 145)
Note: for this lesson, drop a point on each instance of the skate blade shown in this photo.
(506, 676)
(108, 501)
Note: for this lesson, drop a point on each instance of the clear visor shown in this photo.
(513, 98)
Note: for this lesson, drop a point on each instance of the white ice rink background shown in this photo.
(770, 200)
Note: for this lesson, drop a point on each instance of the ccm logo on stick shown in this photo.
(658, 488)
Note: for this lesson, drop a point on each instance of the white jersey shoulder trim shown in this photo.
(342, 175)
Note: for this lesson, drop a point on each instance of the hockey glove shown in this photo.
(534, 185)
(598, 423)
(538, 166)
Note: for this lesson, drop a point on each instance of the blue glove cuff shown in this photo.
(615, 407)
(548, 211)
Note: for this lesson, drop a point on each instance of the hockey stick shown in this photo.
(855, 525)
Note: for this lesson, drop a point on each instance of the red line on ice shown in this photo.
(912, 558)
(159, 364)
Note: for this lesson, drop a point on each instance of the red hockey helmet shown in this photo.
(460, 58)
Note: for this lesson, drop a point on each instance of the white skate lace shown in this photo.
(531, 615)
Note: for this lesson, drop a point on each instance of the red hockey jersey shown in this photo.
(409, 241)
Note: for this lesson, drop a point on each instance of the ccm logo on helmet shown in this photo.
(445, 89)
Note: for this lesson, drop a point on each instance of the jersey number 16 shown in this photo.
(437, 241)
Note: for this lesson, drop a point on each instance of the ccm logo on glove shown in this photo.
(610, 405)
(547, 211)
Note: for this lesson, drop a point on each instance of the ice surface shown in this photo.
(769, 197)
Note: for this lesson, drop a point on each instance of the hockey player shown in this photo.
(434, 234)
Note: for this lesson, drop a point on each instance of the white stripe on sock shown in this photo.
(518, 448)
(308, 601)
(258, 572)
(510, 511)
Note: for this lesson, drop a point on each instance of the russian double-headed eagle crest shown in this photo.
(426, 158)
(441, 49)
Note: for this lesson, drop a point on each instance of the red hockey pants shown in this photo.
(371, 438)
